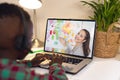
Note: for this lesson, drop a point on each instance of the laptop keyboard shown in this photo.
(68, 59)
(72, 60)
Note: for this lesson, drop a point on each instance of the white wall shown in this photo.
(56, 9)
(60, 9)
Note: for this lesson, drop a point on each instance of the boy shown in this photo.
(16, 31)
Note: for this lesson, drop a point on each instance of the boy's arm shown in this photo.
(56, 72)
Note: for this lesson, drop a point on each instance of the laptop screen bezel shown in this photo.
(71, 20)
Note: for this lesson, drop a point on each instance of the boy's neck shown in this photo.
(7, 54)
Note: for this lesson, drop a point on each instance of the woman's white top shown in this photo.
(77, 50)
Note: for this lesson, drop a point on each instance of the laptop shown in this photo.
(71, 38)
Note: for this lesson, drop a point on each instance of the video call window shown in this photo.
(69, 36)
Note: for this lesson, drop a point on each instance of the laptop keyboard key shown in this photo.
(72, 60)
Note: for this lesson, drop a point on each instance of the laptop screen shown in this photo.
(70, 36)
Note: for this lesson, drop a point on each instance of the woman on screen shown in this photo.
(81, 48)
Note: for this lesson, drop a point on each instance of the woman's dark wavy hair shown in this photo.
(86, 48)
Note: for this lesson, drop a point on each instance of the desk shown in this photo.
(98, 69)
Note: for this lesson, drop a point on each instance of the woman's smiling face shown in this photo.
(80, 36)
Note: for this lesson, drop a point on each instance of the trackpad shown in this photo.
(68, 67)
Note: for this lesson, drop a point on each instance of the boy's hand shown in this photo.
(38, 59)
(56, 59)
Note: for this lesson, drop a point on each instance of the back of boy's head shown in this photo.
(8, 35)
(9, 10)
